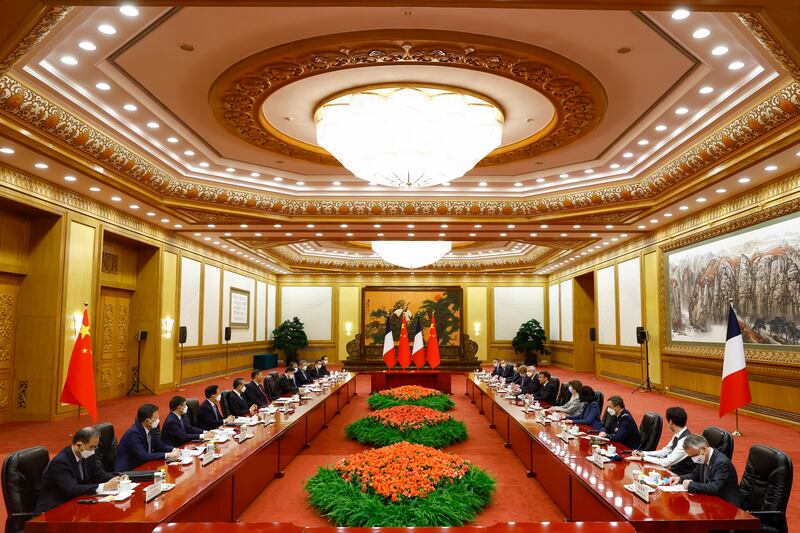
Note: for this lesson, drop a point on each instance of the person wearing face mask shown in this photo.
(625, 430)
(714, 474)
(74, 472)
(254, 391)
(209, 416)
(673, 455)
(516, 377)
(141, 443)
(509, 370)
(301, 374)
(590, 416)
(323, 368)
(499, 367)
(286, 383)
(574, 405)
(178, 429)
(237, 403)
(547, 390)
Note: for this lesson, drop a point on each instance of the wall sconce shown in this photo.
(77, 319)
(477, 328)
(348, 328)
(166, 327)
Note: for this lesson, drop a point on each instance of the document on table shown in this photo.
(672, 488)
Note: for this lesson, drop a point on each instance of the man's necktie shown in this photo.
(674, 442)
(180, 419)
(149, 445)
(216, 413)
(80, 470)
(705, 473)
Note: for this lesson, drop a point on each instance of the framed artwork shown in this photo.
(239, 309)
(757, 268)
(379, 302)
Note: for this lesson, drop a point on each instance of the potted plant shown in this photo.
(530, 341)
(289, 337)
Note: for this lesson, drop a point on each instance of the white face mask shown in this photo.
(154, 424)
(530, 374)
(185, 410)
(571, 391)
(699, 459)
(87, 453)
(611, 411)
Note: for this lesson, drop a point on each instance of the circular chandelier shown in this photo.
(411, 254)
(408, 136)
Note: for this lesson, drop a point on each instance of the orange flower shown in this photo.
(410, 392)
(404, 417)
(402, 469)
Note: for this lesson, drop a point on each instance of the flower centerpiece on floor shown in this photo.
(402, 485)
(411, 423)
(411, 395)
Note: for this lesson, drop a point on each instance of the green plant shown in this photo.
(439, 402)
(289, 337)
(413, 424)
(530, 341)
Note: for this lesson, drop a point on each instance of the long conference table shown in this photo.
(585, 492)
(217, 492)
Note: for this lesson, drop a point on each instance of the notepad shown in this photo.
(115, 492)
(672, 488)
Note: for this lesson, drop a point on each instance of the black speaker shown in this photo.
(592, 334)
(182, 333)
(227, 333)
(141, 335)
(641, 335)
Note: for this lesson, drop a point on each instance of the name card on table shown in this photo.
(207, 457)
(153, 490)
(642, 490)
(597, 458)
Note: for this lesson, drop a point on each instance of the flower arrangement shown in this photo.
(402, 485)
(411, 423)
(411, 395)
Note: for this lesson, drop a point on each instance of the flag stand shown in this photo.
(737, 433)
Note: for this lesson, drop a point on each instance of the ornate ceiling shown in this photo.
(200, 116)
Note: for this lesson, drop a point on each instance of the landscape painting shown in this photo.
(759, 269)
(380, 302)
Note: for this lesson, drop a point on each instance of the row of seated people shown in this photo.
(702, 463)
(77, 471)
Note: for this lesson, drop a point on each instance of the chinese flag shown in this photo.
(433, 345)
(404, 350)
(79, 387)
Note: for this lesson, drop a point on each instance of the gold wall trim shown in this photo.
(51, 16)
(756, 24)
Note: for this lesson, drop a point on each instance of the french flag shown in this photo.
(418, 351)
(389, 354)
(735, 391)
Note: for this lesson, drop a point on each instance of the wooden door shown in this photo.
(9, 300)
(113, 370)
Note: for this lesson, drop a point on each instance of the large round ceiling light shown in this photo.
(411, 254)
(408, 137)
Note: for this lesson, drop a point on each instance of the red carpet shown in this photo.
(517, 498)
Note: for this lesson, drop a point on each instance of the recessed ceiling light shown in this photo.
(721, 191)
(482, 184)
(706, 90)
(614, 165)
(518, 184)
(300, 183)
(336, 183)
(87, 45)
(744, 180)
(684, 208)
(701, 33)
(103, 86)
(318, 234)
(277, 178)
(108, 29)
(309, 225)
(588, 171)
(770, 168)
(172, 140)
(288, 234)
(700, 200)
(539, 180)
(640, 226)
(627, 155)
(443, 235)
(563, 234)
(667, 215)
(680, 14)
(97, 189)
(614, 239)
(243, 225)
(69, 60)
(343, 226)
(153, 125)
(178, 226)
(593, 235)
(254, 174)
(410, 226)
(534, 234)
(129, 11)
(203, 164)
(736, 65)
(379, 234)
(681, 111)
(129, 107)
(576, 226)
(661, 127)
(719, 50)
(543, 226)
(41, 165)
(609, 226)
(511, 226)
(230, 169)
(350, 234)
(7, 150)
(623, 235)
(503, 234)
(410, 234)
(654, 221)
(212, 225)
(164, 220)
(563, 175)
(133, 206)
(477, 226)
(116, 199)
(70, 178)
(444, 226)
(151, 214)
(472, 234)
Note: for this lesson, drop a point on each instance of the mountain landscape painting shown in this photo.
(758, 269)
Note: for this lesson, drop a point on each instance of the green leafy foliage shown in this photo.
(453, 503)
(290, 336)
(440, 402)
(373, 433)
(530, 339)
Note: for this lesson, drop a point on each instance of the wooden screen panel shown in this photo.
(113, 372)
(9, 300)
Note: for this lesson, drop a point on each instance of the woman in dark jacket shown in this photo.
(591, 412)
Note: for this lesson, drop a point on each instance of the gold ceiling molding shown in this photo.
(756, 25)
(208, 217)
(238, 94)
(51, 16)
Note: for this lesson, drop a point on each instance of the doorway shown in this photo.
(113, 369)
(584, 321)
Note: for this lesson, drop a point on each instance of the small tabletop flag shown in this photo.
(735, 391)
(403, 349)
(389, 354)
(433, 345)
(79, 386)
(418, 351)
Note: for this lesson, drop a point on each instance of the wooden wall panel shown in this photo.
(621, 363)
(9, 309)
(118, 266)
(562, 354)
(14, 234)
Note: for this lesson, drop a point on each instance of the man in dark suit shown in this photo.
(517, 376)
(625, 429)
(525, 383)
(254, 392)
(714, 473)
(509, 370)
(286, 383)
(237, 403)
(497, 368)
(324, 367)
(301, 375)
(141, 443)
(74, 472)
(209, 415)
(313, 370)
(547, 389)
(177, 429)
